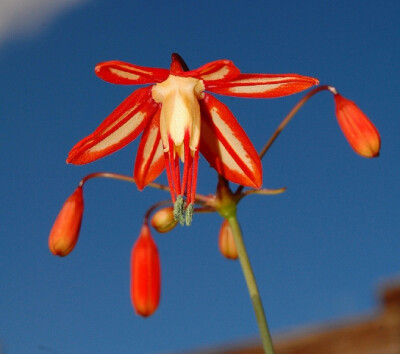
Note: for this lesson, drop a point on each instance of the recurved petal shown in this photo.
(119, 72)
(122, 126)
(263, 85)
(150, 156)
(226, 146)
(216, 71)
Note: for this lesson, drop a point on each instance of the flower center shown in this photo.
(180, 121)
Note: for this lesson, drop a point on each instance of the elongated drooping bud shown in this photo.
(226, 242)
(163, 220)
(145, 274)
(65, 231)
(359, 131)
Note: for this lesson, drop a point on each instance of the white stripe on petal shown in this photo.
(254, 89)
(120, 133)
(134, 68)
(218, 75)
(231, 138)
(223, 154)
(151, 139)
(260, 80)
(129, 111)
(124, 74)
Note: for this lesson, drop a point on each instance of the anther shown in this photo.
(179, 210)
(189, 214)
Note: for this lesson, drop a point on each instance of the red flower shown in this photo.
(145, 274)
(65, 231)
(359, 131)
(178, 119)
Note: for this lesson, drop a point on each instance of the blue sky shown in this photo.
(318, 250)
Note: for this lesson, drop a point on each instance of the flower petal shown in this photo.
(226, 146)
(150, 156)
(214, 72)
(263, 85)
(119, 72)
(122, 126)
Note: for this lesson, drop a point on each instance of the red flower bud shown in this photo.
(359, 131)
(65, 231)
(163, 220)
(145, 274)
(226, 242)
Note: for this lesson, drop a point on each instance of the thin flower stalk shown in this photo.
(251, 285)
(226, 205)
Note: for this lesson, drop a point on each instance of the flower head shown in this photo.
(178, 119)
(145, 274)
(359, 131)
(65, 231)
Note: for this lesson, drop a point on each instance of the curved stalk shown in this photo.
(120, 177)
(251, 285)
(199, 198)
(291, 114)
(287, 119)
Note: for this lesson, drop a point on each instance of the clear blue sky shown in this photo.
(318, 250)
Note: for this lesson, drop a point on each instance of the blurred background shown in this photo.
(317, 249)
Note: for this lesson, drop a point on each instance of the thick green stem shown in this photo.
(251, 284)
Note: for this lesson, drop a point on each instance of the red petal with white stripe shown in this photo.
(119, 72)
(122, 126)
(150, 156)
(263, 85)
(226, 146)
(216, 71)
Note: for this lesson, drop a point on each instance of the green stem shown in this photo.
(251, 284)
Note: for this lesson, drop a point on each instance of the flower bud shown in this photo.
(163, 220)
(226, 241)
(359, 131)
(65, 231)
(145, 274)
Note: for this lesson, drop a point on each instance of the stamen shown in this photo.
(178, 175)
(187, 162)
(171, 160)
(194, 181)
(168, 170)
(189, 184)
(179, 206)
(189, 214)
